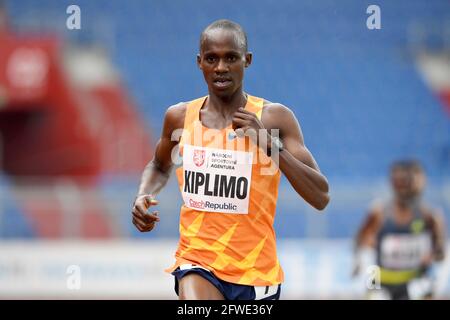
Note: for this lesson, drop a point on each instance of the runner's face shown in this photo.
(222, 61)
(419, 181)
(407, 183)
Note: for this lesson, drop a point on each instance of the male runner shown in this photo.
(227, 246)
(407, 235)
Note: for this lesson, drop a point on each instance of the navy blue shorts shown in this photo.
(231, 291)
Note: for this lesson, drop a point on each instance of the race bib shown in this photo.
(404, 251)
(216, 180)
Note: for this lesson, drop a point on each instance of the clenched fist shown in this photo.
(142, 219)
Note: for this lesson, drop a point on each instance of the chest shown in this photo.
(215, 120)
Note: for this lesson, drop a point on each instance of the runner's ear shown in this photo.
(248, 59)
(199, 60)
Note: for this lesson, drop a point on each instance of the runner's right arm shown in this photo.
(366, 237)
(157, 172)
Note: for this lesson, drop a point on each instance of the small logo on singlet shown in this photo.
(199, 157)
(417, 226)
(231, 135)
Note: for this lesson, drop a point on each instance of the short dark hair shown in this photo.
(407, 164)
(225, 24)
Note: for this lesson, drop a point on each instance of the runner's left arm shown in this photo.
(438, 235)
(295, 161)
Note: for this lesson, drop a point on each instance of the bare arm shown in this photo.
(157, 172)
(438, 235)
(366, 237)
(296, 161)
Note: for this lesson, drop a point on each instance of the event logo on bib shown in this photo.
(199, 157)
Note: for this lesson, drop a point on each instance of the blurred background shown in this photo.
(82, 109)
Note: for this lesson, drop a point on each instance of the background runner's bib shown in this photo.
(216, 180)
(402, 248)
(226, 221)
(404, 251)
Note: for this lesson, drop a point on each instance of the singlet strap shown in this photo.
(417, 210)
(192, 111)
(255, 105)
(388, 210)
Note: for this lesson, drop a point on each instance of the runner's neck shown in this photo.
(226, 107)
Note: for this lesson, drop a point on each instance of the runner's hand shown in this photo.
(142, 219)
(243, 121)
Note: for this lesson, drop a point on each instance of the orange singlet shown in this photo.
(230, 195)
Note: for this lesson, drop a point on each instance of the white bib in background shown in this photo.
(404, 251)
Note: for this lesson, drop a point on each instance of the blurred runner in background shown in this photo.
(407, 236)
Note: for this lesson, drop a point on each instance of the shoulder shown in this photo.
(275, 108)
(376, 209)
(378, 205)
(432, 214)
(174, 116)
(276, 115)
